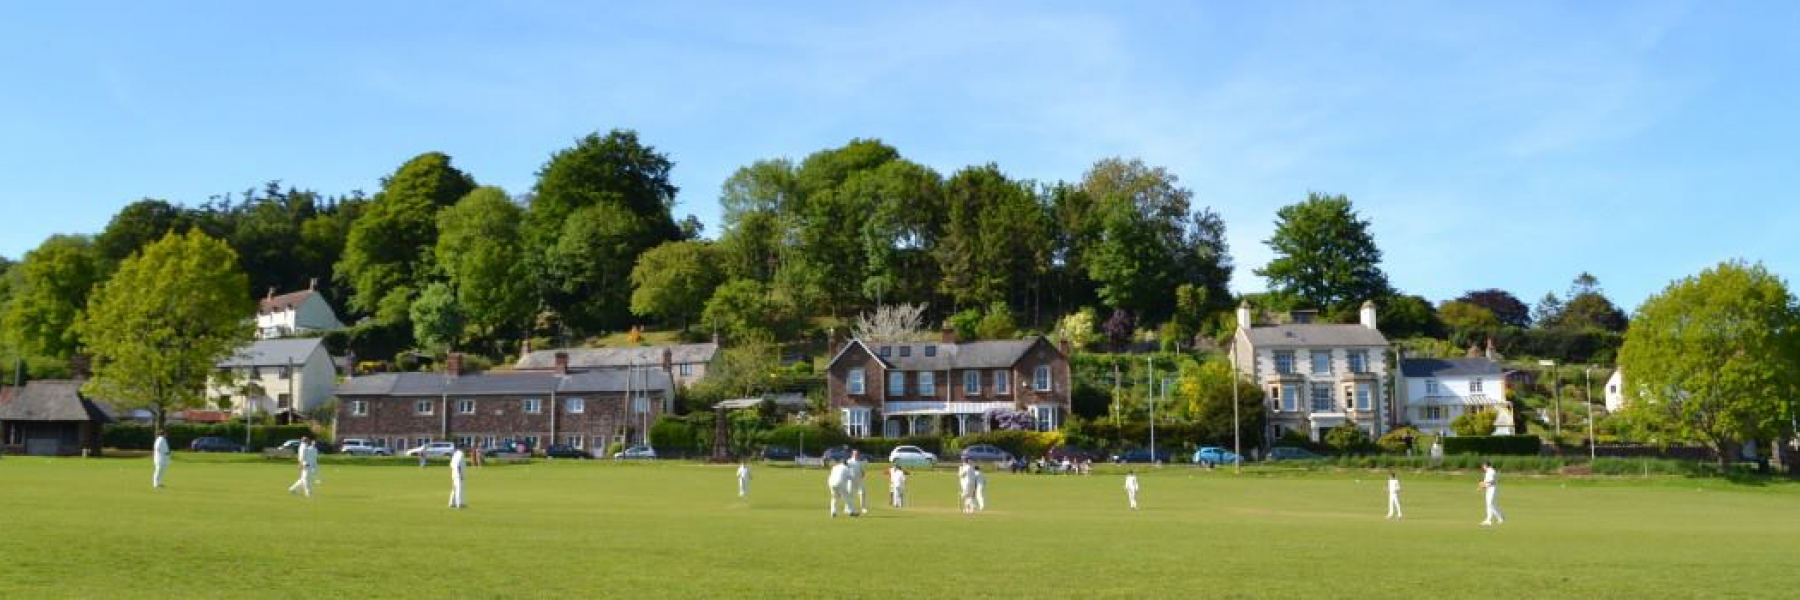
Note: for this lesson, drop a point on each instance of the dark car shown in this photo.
(565, 451)
(778, 453)
(215, 444)
(1143, 455)
(1291, 453)
(986, 453)
(836, 453)
(507, 448)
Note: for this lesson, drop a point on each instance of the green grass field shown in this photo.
(225, 527)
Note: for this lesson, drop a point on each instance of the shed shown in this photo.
(51, 418)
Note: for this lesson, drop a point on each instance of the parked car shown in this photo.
(1291, 453)
(912, 456)
(1143, 455)
(1072, 453)
(565, 451)
(1214, 455)
(215, 444)
(361, 447)
(986, 453)
(836, 453)
(507, 448)
(636, 452)
(781, 453)
(433, 450)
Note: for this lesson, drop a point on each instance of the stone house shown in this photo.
(897, 389)
(1317, 376)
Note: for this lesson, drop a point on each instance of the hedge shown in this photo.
(882, 447)
(141, 437)
(1024, 444)
(1492, 444)
(817, 438)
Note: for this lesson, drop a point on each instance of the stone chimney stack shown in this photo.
(1368, 314)
(81, 366)
(1491, 354)
(948, 334)
(1474, 351)
(715, 337)
(1065, 347)
(271, 295)
(668, 360)
(1243, 315)
(453, 364)
(312, 284)
(562, 363)
(831, 341)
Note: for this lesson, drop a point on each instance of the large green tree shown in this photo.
(1715, 357)
(1204, 394)
(388, 252)
(1325, 256)
(160, 324)
(480, 250)
(137, 225)
(49, 293)
(673, 281)
(995, 244)
(437, 319)
(1139, 239)
(1507, 308)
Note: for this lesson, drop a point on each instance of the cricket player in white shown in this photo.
(304, 483)
(897, 487)
(312, 460)
(839, 483)
(856, 464)
(980, 480)
(1393, 496)
(965, 480)
(1131, 488)
(743, 475)
(1490, 483)
(159, 456)
(456, 478)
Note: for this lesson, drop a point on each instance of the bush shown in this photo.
(1019, 443)
(672, 435)
(1492, 444)
(1475, 423)
(1395, 441)
(816, 437)
(130, 436)
(1347, 438)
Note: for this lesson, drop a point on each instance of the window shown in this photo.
(1321, 362)
(1362, 396)
(927, 383)
(574, 441)
(905, 351)
(1321, 397)
(972, 383)
(1040, 378)
(1475, 385)
(1290, 397)
(1431, 387)
(686, 370)
(1044, 417)
(284, 401)
(575, 406)
(531, 440)
(534, 406)
(283, 373)
(423, 407)
(886, 350)
(1284, 363)
(896, 383)
(854, 381)
(856, 422)
(1433, 413)
(1001, 385)
(421, 441)
(465, 406)
(465, 442)
(359, 408)
(1359, 361)
(930, 350)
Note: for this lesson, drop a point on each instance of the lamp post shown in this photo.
(1237, 427)
(1150, 394)
(1587, 386)
(1556, 382)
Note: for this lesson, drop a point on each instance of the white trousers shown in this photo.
(841, 495)
(156, 476)
(897, 496)
(967, 499)
(743, 487)
(1132, 496)
(1393, 505)
(303, 484)
(1493, 510)
(456, 492)
(862, 494)
(980, 497)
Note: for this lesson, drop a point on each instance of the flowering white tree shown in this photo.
(890, 323)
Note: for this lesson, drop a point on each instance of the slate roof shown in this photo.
(273, 352)
(501, 384)
(989, 354)
(1449, 367)
(1276, 336)
(53, 400)
(601, 358)
(285, 301)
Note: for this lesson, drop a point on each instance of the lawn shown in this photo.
(227, 528)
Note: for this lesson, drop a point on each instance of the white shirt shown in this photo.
(980, 479)
(1131, 483)
(161, 452)
(1393, 485)
(856, 469)
(838, 477)
(743, 472)
(456, 464)
(1492, 478)
(897, 478)
(310, 457)
(965, 476)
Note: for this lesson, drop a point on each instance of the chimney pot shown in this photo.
(562, 363)
(949, 334)
(312, 284)
(271, 292)
(453, 364)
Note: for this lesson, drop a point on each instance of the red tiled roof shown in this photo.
(285, 301)
(205, 416)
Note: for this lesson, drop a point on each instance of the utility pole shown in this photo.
(1587, 386)
(1150, 396)
(1237, 426)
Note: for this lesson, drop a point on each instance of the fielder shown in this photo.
(303, 484)
(456, 478)
(965, 480)
(312, 461)
(1393, 496)
(159, 456)
(897, 487)
(980, 480)
(1490, 483)
(1131, 488)
(743, 475)
(838, 481)
(856, 464)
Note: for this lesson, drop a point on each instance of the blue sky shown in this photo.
(1507, 145)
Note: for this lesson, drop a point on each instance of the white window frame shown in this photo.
(1002, 383)
(574, 406)
(855, 382)
(424, 408)
(575, 441)
(905, 351)
(1284, 367)
(1315, 397)
(532, 406)
(1431, 387)
(971, 383)
(930, 350)
(1475, 385)
(1321, 362)
(1364, 397)
(1040, 378)
(686, 369)
(359, 408)
(856, 421)
(1359, 361)
(1044, 416)
(1290, 397)
(1432, 413)
(465, 406)
(927, 383)
(896, 384)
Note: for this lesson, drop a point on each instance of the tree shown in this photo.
(1591, 310)
(1467, 316)
(49, 292)
(481, 253)
(1474, 423)
(1503, 305)
(1404, 316)
(674, 280)
(997, 324)
(890, 323)
(1715, 357)
(1119, 327)
(1139, 239)
(437, 320)
(742, 309)
(1325, 255)
(158, 327)
(995, 242)
(1204, 394)
(1547, 312)
(388, 250)
(137, 225)
(1346, 438)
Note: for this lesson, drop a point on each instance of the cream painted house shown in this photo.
(1317, 376)
(271, 376)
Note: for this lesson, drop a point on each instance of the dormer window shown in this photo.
(930, 350)
(885, 351)
(905, 351)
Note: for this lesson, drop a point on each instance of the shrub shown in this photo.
(1395, 441)
(130, 436)
(1346, 438)
(1019, 443)
(1492, 444)
(817, 437)
(671, 434)
(1475, 423)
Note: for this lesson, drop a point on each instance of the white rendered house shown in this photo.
(1435, 391)
(271, 376)
(294, 313)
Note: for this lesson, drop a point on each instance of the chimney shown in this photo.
(668, 360)
(715, 337)
(1491, 354)
(1066, 348)
(271, 295)
(453, 364)
(562, 363)
(831, 341)
(1474, 351)
(312, 284)
(1243, 315)
(525, 348)
(1368, 314)
(350, 363)
(949, 334)
(80, 366)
